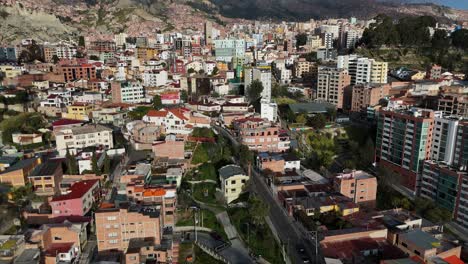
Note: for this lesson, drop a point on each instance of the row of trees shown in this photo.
(408, 31)
(282, 91)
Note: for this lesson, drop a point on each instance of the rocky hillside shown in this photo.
(63, 19)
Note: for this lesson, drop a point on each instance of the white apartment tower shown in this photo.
(261, 74)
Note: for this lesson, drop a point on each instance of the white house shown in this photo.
(209, 66)
(76, 138)
(155, 78)
(269, 110)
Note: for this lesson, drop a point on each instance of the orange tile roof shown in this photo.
(179, 113)
(453, 260)
(154, 192)
(156, 113)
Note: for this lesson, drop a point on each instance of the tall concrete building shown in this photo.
(352, 37)
(208, 33)
(460, 158)
(226, 49)
(262, 74)
(127, 92)
(448, 188)
(363, 70)
(331, 83)
(365, 95)
(403, 142)
(269, 110)
(444, 139)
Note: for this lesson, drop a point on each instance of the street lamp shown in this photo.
(314, 236)
(195, 220)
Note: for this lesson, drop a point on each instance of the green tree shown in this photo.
(460, 38)
(81, 41)
(203, 132)
(246, 156)
(310, 57)
(55, 59)
(317, 121)
(184, 96)
(157, 103)
(94, 164)
(302, 119)
(72, 165)
(190, 71)
(331, 114)
(366, 153)
(138, 112)
(440, 40)
(215, 71)
(301, 40)
(255, 90)
(107, 165)
(258, 210)
(94, 57)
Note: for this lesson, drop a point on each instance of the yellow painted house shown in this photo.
(78, 111)
(327, 204)
(10, 71)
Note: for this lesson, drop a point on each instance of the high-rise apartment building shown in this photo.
(127, 92)
(262, 74)
(352, 37)
(208, 33)
(404, 141)
(331, 83)
(447, 187)
(444, 139)
(363, 70)
(226, 49)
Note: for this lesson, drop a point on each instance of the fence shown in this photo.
(212, 253)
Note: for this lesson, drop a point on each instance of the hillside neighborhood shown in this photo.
(326, 141)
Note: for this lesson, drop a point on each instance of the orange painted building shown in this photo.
(357, 185)
(115, 227)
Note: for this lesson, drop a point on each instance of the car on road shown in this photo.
(303, 254)
(216, 236)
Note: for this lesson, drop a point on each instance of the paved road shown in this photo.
(88, 251)
(287, 229)
(233, 237)
(231, 253)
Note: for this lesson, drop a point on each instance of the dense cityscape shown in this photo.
(338, 140)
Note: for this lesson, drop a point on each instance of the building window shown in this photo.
(233, 182)
(111, 218)
(233, 190)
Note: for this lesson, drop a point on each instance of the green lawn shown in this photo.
(205, 192)
(259, 239)
(9, 244)
(206, 171)
(185, 218)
